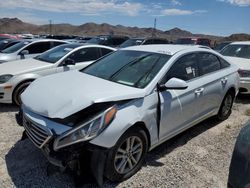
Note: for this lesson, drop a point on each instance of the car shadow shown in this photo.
(27, 166)
(8, 108)
(243, 99)
(178, 141)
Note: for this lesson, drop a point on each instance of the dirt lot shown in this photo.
(199, 157)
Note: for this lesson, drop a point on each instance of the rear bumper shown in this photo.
(244, 85)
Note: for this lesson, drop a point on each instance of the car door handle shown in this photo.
(224, 80)
(198, 91)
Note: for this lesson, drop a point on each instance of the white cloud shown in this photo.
(87, 7)
(238, 2)
(176, 12)
(175, 2)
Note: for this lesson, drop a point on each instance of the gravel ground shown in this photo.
(199, 157)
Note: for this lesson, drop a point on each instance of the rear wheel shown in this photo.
(226, 107)
(18, 91)
(127, 156)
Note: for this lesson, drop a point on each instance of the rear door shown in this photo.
(214, 78)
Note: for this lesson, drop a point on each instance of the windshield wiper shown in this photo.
(131, 63)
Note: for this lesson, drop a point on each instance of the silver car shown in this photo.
(125, 104)
(28, 49)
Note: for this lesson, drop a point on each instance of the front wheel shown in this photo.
(226, 107)
(18, 91)
(127, 156)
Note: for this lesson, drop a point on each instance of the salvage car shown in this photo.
(15, 76)
(125, 104)
(239, 54)
(28, 49)
(143, 41)
(239, 171)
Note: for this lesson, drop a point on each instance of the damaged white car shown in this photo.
(125, 104)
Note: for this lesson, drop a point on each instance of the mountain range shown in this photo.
(15, 25)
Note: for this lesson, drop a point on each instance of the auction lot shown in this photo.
(199, 157)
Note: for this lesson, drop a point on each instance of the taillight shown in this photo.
(244, 73)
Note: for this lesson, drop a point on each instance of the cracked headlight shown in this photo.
(5, 78)
(86, 131)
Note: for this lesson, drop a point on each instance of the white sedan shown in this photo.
(15, 76)
(239, 54)
(126, 104)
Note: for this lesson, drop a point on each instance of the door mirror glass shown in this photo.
(175, 84)
(24, 52)
(68, 61)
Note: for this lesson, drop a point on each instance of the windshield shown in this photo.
(185, 41)
(96, 40)
(53, 55)
(132, 68)
(221, 46)
(131, 42)
(237, 50)
(15, 47)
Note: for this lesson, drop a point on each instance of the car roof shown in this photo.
(45, 40)
(242, 42)
(169, 49)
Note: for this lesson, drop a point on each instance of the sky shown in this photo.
(215, 17)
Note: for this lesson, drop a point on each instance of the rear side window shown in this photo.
(37, 48)
(54, 44)
(204, 42)
(105, 51)
(149, 41)
(86, 54)
(223, 63)
(208, 63)
(186, 68)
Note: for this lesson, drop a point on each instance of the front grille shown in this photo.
(38, 134)
(1, 95)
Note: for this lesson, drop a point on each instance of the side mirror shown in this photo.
(174, 83)
(68, 61)
(24, 52)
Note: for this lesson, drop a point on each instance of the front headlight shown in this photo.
(87, 131)
(5, 78)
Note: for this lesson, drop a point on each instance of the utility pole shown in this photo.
(154, 32)
(50, 27)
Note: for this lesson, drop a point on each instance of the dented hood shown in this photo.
(61, 95)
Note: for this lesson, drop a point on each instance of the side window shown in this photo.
(37, 48)
(86, 54)
(150, 41)
(223, 63)
(208, 63)
(105, 51)
(54, 44)
(186, 68)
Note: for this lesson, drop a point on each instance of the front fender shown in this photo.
(138, 110)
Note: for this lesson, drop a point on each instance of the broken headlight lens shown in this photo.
(87, 131)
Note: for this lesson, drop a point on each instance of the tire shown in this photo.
(226, 106)
(114, 170)
(18, 91)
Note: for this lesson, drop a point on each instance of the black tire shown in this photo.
(227, 103)
(110, 170)
(18, 91)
